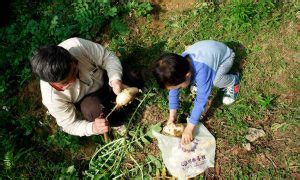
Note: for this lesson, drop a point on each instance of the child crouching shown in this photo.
(203, 64)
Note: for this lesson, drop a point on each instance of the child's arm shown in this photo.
(199, 103)
(172, 116)
(204, 81)
(173, 105)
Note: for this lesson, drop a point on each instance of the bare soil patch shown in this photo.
(174, 5)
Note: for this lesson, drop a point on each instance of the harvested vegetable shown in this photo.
(175, 130)
(126, 96)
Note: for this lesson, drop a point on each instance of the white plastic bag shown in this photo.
(191, 159)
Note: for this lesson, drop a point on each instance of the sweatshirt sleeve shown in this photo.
(104, 58)
(65, 115)
(174, 99)
(204, 81)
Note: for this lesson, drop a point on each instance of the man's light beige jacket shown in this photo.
(93, 60)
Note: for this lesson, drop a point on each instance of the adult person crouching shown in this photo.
(76, 74)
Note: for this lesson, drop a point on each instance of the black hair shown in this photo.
(171, 69)
(51, 63)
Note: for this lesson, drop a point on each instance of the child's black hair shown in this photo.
(171, 69)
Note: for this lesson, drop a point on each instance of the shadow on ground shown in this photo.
(138, 62)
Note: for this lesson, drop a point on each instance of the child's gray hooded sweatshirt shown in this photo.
(206, 56)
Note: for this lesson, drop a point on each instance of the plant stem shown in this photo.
(96, 153)
(138, 107)
(137, 166)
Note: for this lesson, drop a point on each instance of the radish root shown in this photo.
(126, 96)
(175, 130)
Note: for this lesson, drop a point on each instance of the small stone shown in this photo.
(175, 130)
(247, 146)
(254, 134)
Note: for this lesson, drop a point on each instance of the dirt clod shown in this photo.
(247, 146)
(254, 134)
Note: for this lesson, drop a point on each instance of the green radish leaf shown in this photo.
(158, 164)
(150, 168)
(132, 133)
(151, 157)
(140, 144)
(149, 134)
(146, 141)
(157, 127)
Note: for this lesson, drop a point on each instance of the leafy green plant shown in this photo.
(91, 15)
(146, 170)
(11, 158)
(51, 22)
(266, 101)
(244, 15)
(118, 27)
(107, 160)
(140, 9)
(68, 173)
(282, 127)
(64, 141)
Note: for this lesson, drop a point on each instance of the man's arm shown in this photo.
(104, 58)
(65, 115)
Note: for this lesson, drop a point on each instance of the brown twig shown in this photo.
(274, 165)
(105, 137)
(105, 134)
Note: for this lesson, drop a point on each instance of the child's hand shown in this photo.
(172, 116)
(187, 135)
(170, 121)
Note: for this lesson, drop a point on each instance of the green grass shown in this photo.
(264, 38)
(257, 34)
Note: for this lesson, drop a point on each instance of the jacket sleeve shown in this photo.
(204, 82)
(104, 58)
(65, 115)
(174, 99)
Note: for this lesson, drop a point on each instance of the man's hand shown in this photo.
(187, 135)
(100, 125)
(117, 86)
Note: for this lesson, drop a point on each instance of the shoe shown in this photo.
(231, 92)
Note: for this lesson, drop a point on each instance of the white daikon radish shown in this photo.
(126, 96)
(174, 129)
